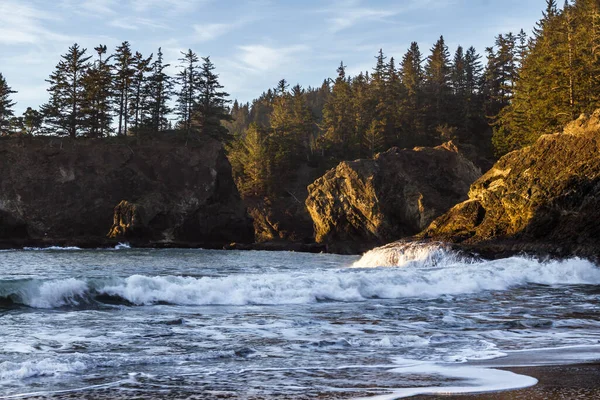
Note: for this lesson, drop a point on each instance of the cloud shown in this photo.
(24, 24)
(94, 8)
(205, 33)
(135, 23)
(173, 6)
(261, 58)
(345, 14)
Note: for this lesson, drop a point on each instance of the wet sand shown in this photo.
(581, 381)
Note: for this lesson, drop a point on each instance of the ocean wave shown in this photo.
(416, 279)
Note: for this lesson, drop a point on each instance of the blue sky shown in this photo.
(253, 43)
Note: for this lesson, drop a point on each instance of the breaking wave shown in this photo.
(11, 371)
(402, 254)
(425, 272)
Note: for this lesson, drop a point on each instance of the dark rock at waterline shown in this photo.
(279, 245)
(153, 192)
(543, 199)
(366, 203)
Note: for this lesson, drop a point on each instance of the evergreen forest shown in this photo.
(520, 87)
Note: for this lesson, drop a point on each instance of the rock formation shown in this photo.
(542, 199)
(156, 192)
(366, 203)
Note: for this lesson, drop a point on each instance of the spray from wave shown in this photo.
(401, 254)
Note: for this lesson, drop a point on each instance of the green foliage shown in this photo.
(158, 91)
(65, 112)
(6, 105)
(123, 77)
(250, 162)
(558, 75)
(212, 105)
(97, 84)
(189, 81)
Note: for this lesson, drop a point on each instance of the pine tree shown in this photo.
(32, 121)
(64, 112)
(473, 114)
(97, 84)
(189, 82)
(249, 158)
(363, 107)
(303, 123)
(138, 89)
(6, 105)
(157, 95)
(339, 137)
(124, 71)
(412, 113)
(437, 86)
(460, 91)
(374, 137)
(240, 115)
(282, 143)
(213, 106)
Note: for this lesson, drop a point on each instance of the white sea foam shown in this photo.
(53, 248)
(10, 371)
(479, 380)
(402, 254)
(58, 293)
(354, 285)
(417, 279)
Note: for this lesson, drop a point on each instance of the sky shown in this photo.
(253, 43)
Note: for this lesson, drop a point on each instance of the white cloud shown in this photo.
(205, 33)
(172, 6)
(23, 24)
(345, 14)
(261, 58)
(135, 23)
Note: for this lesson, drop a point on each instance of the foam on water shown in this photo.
(402, 254)
(53, 248)
(114, 314)
(419, 278)
(10, 371)
(477, 380)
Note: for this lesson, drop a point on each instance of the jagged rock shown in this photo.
(61, 191)
(128, 221)
(365, 203)
(543, 199)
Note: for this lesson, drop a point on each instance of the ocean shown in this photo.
(205, 324)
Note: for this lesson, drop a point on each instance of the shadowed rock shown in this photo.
(61, 191)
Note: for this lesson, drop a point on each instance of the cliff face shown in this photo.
(156, 192)
(366, 203)
(543, 199)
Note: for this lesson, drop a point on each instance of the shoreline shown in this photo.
(573, 381)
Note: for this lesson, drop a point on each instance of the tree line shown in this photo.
(523, 86)
(558, 79)
(124, 93)
(419, 101)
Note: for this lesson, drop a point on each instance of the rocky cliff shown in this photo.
(543, 199)
(366, 203)
(96, 192)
